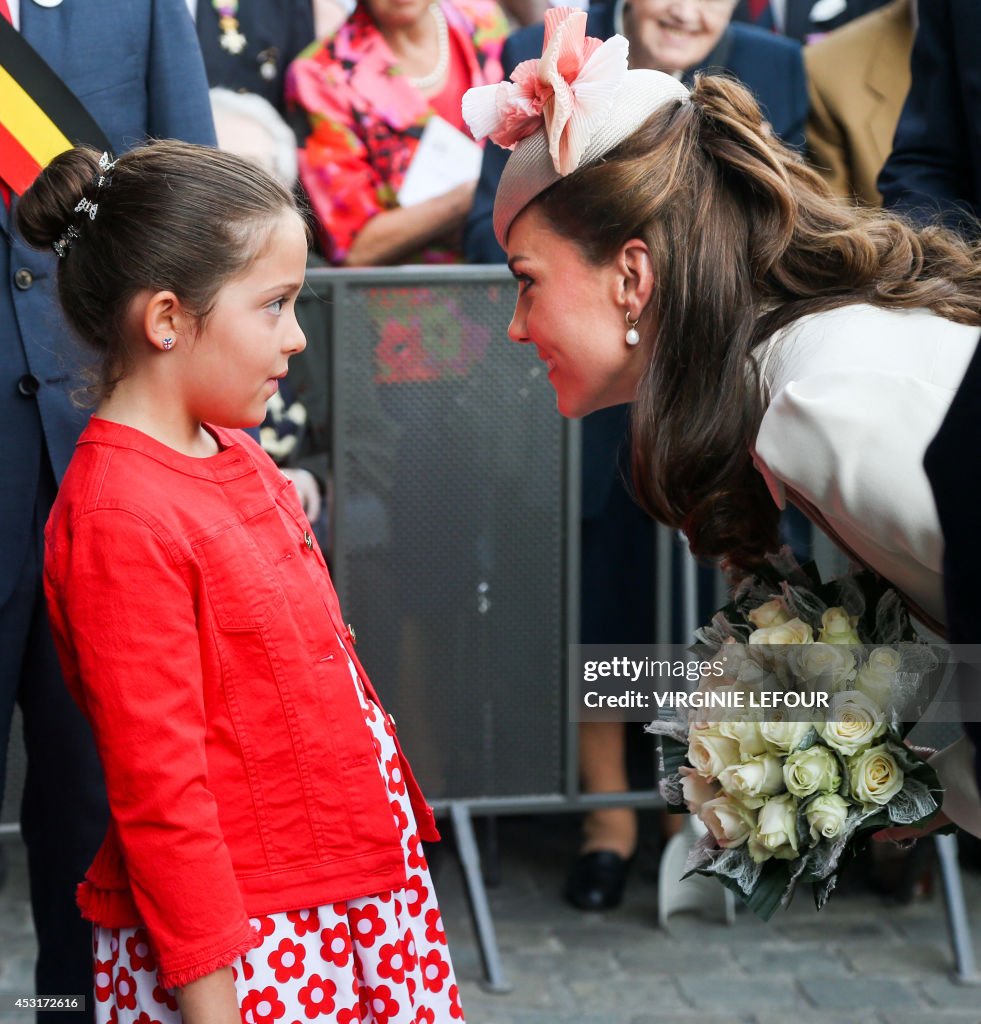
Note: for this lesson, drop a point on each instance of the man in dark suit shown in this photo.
(935, 166)
(136, 68)
(616, 538)
(935, 170)
(955, 476)
(802, 20)
(269, 34)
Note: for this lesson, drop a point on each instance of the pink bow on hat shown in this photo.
(570, 91)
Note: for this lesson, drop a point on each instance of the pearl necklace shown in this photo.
(435, 76)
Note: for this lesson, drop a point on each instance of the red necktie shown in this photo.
(4, 189)
(756, 8)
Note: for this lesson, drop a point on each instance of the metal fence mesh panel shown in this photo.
(449, 551)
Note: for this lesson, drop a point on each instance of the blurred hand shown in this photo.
(307, 490)
(905, 833)
(462, 196)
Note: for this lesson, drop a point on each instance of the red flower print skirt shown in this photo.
(378, 959)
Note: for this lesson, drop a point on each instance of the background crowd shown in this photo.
(357, 106)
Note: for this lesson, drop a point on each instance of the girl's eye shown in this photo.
(277, 306)
(524, 283)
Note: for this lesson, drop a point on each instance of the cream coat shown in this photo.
(854, 396)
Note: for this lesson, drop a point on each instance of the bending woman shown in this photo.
(777, 345)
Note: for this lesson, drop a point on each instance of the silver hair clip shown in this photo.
(63, 244)
(87, 206)
(106, 166)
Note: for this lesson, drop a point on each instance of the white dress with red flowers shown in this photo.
(377, 959)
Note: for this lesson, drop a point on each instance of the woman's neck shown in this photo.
(416, 45)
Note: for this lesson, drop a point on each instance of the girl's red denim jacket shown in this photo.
(199, 631)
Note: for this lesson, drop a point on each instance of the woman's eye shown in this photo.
(524, 282)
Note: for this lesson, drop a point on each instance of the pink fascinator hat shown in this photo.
(565, 110)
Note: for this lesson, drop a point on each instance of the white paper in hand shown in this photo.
(444, 158)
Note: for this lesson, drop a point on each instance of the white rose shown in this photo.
(791, 632)
(775, 834)
(773, 613)
(757, 777)
(831, 666)
(781, 735)
(747, 734)
(695, 789)
(740, 665)
(811, 771)
(774, 644)
(838, 627)
(826, 814)
(877, 677)
(728, 820)
(709, 681)
(853, 723)
(709, 751)
(875, 776)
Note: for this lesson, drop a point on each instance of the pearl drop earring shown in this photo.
(632, 336)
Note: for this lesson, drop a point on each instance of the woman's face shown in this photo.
(678, 34)
(396, 14)
(571, 312)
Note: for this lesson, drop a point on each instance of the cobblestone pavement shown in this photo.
(861, 959)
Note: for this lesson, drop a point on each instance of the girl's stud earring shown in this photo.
(167, 344)
(632, 336)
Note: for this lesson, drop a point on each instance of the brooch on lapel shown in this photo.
(232, 39)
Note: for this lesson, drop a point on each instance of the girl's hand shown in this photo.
(210, 999)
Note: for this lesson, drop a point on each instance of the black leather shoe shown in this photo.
(597, 880)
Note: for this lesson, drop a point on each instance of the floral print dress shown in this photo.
(379, 959)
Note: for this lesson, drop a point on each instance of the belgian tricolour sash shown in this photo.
(40, 116)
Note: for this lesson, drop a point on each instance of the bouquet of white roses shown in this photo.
(786, 793)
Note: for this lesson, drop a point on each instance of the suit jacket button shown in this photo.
(308, 540)
(28, 385)
(23, 279)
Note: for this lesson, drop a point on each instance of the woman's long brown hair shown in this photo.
(745, 240)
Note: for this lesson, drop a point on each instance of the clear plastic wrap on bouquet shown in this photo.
(787, 795)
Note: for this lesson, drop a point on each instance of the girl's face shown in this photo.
(235, 362)
(574, 315)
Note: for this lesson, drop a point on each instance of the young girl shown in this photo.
(263, 861)
(778, 345)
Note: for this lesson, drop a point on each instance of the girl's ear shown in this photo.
(165, 322)
(635, 273)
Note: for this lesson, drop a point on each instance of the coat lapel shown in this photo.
(887, 78)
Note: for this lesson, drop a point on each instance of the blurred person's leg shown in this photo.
(603, 769)
(617, 542)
